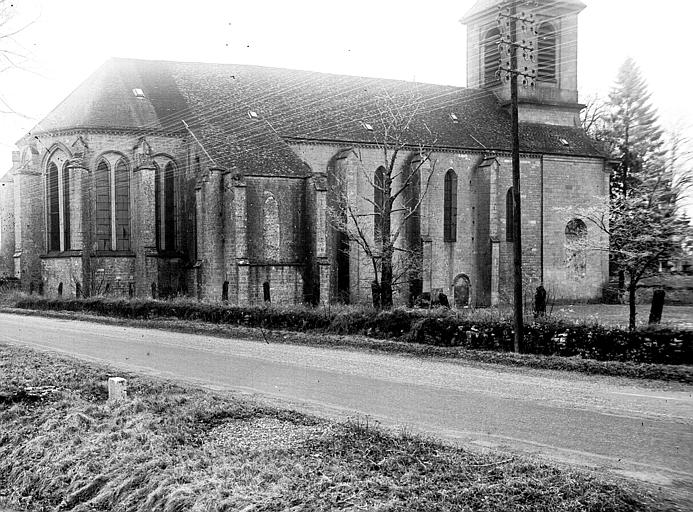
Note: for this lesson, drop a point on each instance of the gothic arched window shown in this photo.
(102, 184)
(169, 207)
(66, 207)
(122, 205)
(546, 52)
(491, 56)
(509, 215)
(164, 199)
(450, 207)
(53, 203)
(378, 202)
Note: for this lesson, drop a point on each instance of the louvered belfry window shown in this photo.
(450, 207)
(546, 52)
(491, 57)
(53, 208)
(102, 181)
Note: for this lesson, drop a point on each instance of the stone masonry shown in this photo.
(156, 179)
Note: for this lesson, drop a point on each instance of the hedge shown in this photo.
(437, 327)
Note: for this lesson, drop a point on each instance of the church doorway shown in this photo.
(461, 288)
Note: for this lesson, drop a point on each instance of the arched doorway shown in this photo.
(461, 289)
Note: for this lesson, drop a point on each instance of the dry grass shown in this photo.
(170, 448)
(616, 315)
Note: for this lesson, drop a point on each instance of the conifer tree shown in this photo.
(634, 132)
(643, 222)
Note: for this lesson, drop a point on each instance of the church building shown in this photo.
(229, 182)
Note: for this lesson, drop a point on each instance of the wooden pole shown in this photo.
(518, 323)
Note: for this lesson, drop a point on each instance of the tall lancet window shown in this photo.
(122, 205)
(165, 204)
(102, 182)
(66, 207)
(53, 200)
(450, 207)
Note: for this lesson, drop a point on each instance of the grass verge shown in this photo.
(661, 372)
(173, 448)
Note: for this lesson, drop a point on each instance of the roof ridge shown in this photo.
(277, 68)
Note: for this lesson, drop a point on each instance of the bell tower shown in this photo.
(553, 34)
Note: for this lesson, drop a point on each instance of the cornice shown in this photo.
(76, 130)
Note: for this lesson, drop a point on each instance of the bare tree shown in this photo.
(13, 55)
(594, 118)
(377, 222)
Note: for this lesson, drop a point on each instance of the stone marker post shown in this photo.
(117, 389)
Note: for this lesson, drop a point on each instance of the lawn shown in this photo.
(174, 448)
(616, 315)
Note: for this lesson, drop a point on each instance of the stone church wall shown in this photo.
(481, 217)
(469, 255)
(530, 200)
(6, 227)
(451, 259)
(289, 196)
(78, 265)
(285, 284)
(111, 275)
(66, 270)
(275, 254)
(29, 214)
(571, 186)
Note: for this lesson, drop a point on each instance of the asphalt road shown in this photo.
(615, 425)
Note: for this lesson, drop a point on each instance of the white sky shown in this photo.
(402, 39)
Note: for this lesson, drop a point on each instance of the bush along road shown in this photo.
(661, 353)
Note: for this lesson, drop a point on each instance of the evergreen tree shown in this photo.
(644, 223)
(634, 132)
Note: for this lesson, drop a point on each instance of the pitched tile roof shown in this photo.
(216, 101)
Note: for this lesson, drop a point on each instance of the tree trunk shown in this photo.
(631, 303)
(387, 247)
(621, 285)
(375, 294)
(386, 281)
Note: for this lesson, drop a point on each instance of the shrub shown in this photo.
(444, 328)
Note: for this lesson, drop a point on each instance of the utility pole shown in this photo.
(509, 47)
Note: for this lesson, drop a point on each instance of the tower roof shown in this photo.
(481, 7)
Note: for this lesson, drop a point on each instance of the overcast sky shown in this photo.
(404, 39)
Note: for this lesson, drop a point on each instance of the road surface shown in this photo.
(616, 425)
